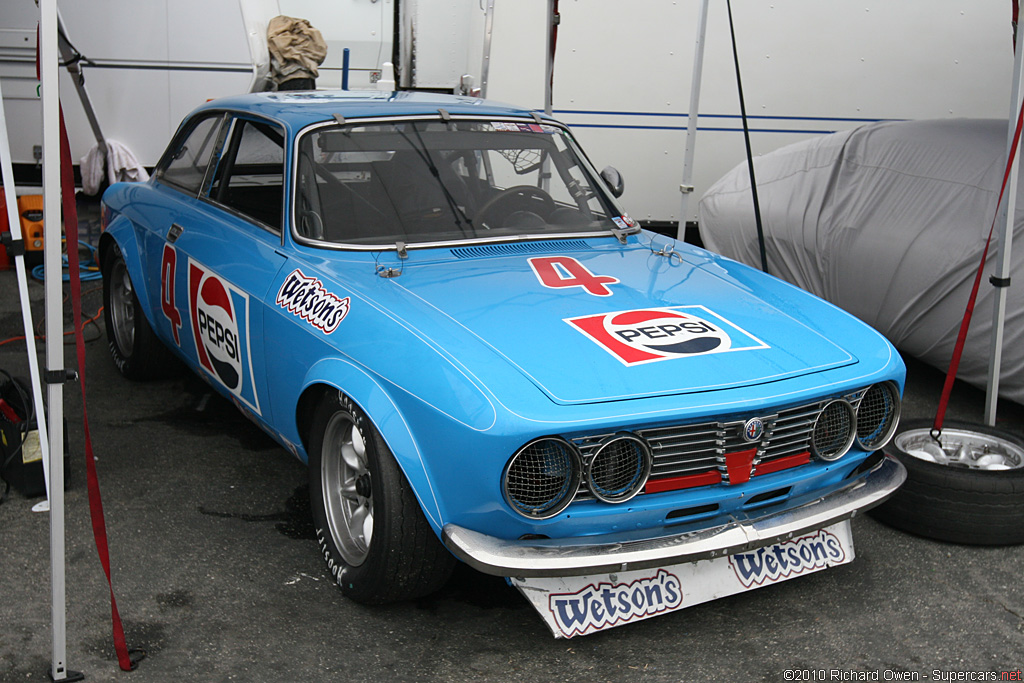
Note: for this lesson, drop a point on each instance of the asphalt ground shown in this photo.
(217, 574)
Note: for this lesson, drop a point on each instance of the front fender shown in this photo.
(121, 234)
(376, 402)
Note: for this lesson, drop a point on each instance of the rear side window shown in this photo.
(186, 168)
(249, 176)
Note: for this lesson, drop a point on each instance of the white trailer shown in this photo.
(622, 71)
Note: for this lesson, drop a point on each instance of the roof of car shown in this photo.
(301, 108)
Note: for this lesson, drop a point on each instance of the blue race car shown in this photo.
(438, 303)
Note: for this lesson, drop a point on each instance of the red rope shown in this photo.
(99, 527)
(954, 363)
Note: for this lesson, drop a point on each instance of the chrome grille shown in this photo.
(697, 448)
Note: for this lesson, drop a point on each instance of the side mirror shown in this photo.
(614, 180)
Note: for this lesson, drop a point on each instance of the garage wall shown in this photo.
(622, 73)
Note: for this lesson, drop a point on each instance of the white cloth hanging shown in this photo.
(121, 166)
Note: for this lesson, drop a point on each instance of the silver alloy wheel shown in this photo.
(122, 307)
(962, 448)
(347, 490)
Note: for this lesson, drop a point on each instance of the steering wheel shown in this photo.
(518, 198)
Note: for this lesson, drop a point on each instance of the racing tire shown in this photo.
(954, 502)
(134, 347)
(372, 533)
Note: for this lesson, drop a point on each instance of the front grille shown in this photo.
(702, 448)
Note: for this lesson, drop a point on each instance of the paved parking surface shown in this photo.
(218, 579)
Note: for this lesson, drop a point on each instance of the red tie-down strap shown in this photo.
(954, 363)
(99, 527)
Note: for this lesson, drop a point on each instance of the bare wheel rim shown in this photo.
(122, 308)
(962, 448)
(347, 490)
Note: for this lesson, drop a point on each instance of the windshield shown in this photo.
(419, 181)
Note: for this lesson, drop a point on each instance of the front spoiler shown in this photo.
(619, 553)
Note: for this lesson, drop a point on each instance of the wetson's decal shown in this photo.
(654, 334)
(606, 604)
(788, 559)
(306, 297)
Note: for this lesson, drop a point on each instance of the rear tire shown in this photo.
(134, 347)
(953, 502)
(372, 533)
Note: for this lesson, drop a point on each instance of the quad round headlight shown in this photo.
(542, 477)
(833, 430)
(877, 415)
(619, 469)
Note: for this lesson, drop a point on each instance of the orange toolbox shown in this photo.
(30, 208)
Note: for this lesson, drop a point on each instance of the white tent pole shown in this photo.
(691, 120)
(485, 68)
(549, 68)
(7, 174)
(1004, 243)
(54, 326)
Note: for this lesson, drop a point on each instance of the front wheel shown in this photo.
(372, 533)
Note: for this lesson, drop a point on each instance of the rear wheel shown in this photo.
(136, 351)
(372, 533)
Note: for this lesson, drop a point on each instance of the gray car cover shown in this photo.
(887, 221)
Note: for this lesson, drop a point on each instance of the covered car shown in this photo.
(439, 305)
(888, 221)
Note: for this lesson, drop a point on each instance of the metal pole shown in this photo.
(686, 188)
(1004, 244)
(67, 53)
(7, 174)
(345, 57)
(485, 68)
(54, 326)
(549, 70)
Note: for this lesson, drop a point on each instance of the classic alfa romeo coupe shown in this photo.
(439, 305)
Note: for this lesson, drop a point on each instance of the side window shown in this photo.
(186, 168)
(250, 176)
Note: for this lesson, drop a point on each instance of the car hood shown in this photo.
(614, 323)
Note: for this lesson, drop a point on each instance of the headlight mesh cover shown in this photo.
(833, 431)
(877, 415)
(542, 478)
(619, 469)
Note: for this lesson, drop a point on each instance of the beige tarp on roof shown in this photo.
(296, 48)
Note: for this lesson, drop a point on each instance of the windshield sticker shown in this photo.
(306, 298)
(505, 126)
(656, 334)
(220, 328)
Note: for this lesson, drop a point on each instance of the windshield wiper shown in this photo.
(424, 154)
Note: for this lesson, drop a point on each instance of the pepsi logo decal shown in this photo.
(220, 318)
(306, 298)
(655, 334)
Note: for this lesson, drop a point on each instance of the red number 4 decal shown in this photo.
(565, 271)
(167, 290)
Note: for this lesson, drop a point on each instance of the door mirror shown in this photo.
(613, 179)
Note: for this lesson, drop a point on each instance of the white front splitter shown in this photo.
(581, 605)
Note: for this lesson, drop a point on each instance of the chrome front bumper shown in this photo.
(619, 553)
